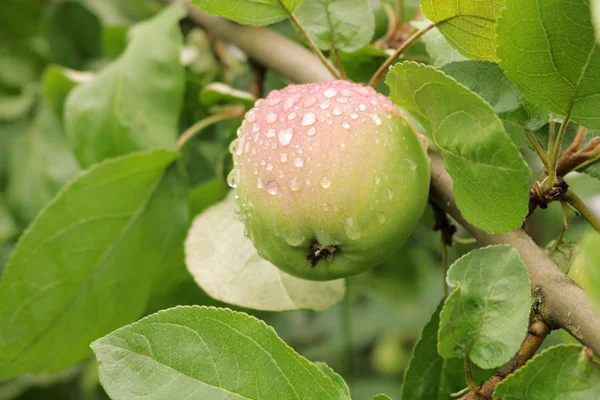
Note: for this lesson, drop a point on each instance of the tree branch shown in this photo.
(563, 303)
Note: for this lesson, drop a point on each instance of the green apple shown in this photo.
(330, 178)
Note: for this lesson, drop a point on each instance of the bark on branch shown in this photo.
(562, 304)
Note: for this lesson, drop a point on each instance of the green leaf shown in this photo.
(220, 94)
(74, 34)
(205, 353)
(549, 51)
(428, 375)
(595, 4)
(86, 264)
(249, 12)
(486, 316)
(381, 396)
(561, 372)
(225, 265)
(562, 254)
(338, 381)
(8, 226)
(348, 25)
(586, 268)
(437, 46)
(490, 82)
(206, 194)
(40, 162)
(469, 25)
(491, 179)
(423, 377)
(57, 84)
(362, 64)
(20, 19)
(134, 103)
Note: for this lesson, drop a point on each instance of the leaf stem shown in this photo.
(580, 206)
(538, 149)
(231, 113)
(313, 45)
(473, 387)
(409, 42)
(464, 241)
(556, 146)
(335, 55)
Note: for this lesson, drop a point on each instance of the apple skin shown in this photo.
(330, 178)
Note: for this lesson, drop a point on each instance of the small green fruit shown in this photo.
(330, 178)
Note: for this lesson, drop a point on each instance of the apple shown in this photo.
(330, 178)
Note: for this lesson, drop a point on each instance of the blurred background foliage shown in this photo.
(49, 47)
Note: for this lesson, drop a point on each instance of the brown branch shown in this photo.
(563, 303)
(535, 336)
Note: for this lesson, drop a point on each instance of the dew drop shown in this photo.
(285, 136)
(387, 107)
(240, 145)
(270, 132)
(307, 181)
(325, 207)
(308, 119)
(291, 116)
(283, 157)
(390, 194)
(337, 111)
(293, 237)
(280, 173)
(290, 102)
(298, 162)
(311, 131)
(325, 183)
(331, 92)
(251, 116)
(255, 128)
(352, 229)
(271, 118)
(232, 178)
(272, 187)
(232, 146)
(342, 100)
(381, 218)
(274, 101)
(269, 167)
(259, 183)
(354, 115)
(324, 105)
(362, 107)
(311, 101)
(346, 125)
(375, 119)
(346, 93)
(294, 185)
(411, 164)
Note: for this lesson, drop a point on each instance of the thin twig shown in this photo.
(582, 209)
(556, 148)
(377, 76)
(534, 339)
(313, 45)
(233, 112)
